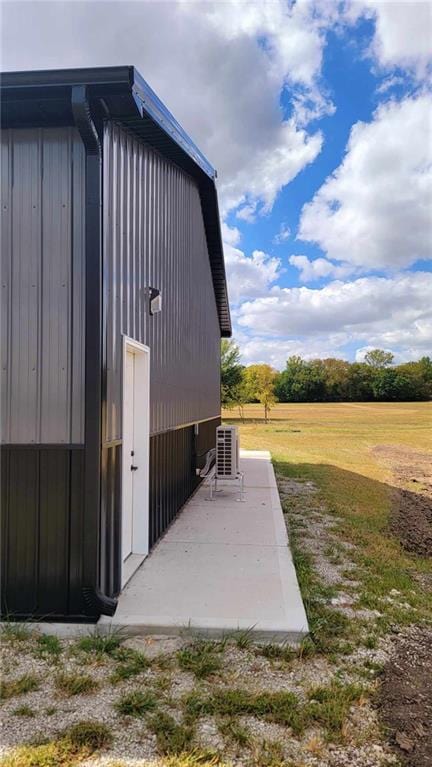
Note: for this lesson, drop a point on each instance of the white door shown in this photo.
(129, 454)
(136, 440)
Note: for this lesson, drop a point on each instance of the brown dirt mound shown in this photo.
(411, 512)
(411, 521)
(405, 698)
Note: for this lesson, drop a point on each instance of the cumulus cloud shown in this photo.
(385, 312)
(403, 33)
(283, 234)
(374, 210)
(275, 352)
(219, 67)
(250, 276)
(316, 269)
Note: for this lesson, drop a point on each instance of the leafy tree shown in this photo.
(417, 378)
(378, 358)
(260, 385)
(231, 372)
(387, 384)
(360, 383)
(336, 377)
(300, 381)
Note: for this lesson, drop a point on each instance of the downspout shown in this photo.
(96, 603)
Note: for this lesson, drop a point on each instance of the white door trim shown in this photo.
(140, 510)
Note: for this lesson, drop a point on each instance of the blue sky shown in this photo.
(318, 116)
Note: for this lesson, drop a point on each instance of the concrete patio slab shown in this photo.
(222, 566)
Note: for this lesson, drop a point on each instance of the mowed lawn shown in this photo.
(337, 434)
(359, 455)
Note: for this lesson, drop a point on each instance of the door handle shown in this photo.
(134, 468)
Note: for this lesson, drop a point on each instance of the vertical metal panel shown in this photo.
(111, 520)
(42, 493)
(42, 278)
(53, 549)
(154, 236)
(173, 458)
(20, 484)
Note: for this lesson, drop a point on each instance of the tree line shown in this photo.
(377, 379)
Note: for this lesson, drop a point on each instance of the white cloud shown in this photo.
(383, 312)
(219, 67)
(283, 234)
(275, 352)
(249, 276)
(230, 234)
(389, 83)
(311, 270)
(247, 213)
(375, 209)
(403, 33)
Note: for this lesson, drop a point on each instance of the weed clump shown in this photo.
(329, 705)
(15, 632)
(136, 703)
(100, 644)
(25, 683)
(25, 711)
(279, 707)
(171, 738)
(48, 645)
(131, 663)
(76, 744)
(200, 659)
(75, 684)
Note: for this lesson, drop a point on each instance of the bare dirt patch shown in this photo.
(405, 698)
(411, 509)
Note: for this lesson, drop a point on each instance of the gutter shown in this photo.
(96, 602)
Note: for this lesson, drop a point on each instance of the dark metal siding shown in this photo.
(154, 236)
(42, 366)
(173, 458)
(42, 531)
(110, 535)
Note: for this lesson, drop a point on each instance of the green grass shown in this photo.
(279, 707)
(15, 632)
(172, 738)
(75, 684)
(48, 645)
(329, 706)
(234, 732)
(201, 659)
(11, 688)
(24, 711)
(72, 747)
(130, 663)
(137, 703)
(100, 644)
(278, 652)
(270, 754)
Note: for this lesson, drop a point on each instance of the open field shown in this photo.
(355, 484)
(340, 434)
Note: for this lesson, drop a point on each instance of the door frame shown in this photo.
(140, 509)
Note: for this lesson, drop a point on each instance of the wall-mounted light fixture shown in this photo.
(155, 300)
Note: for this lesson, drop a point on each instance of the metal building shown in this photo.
(113, 303)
